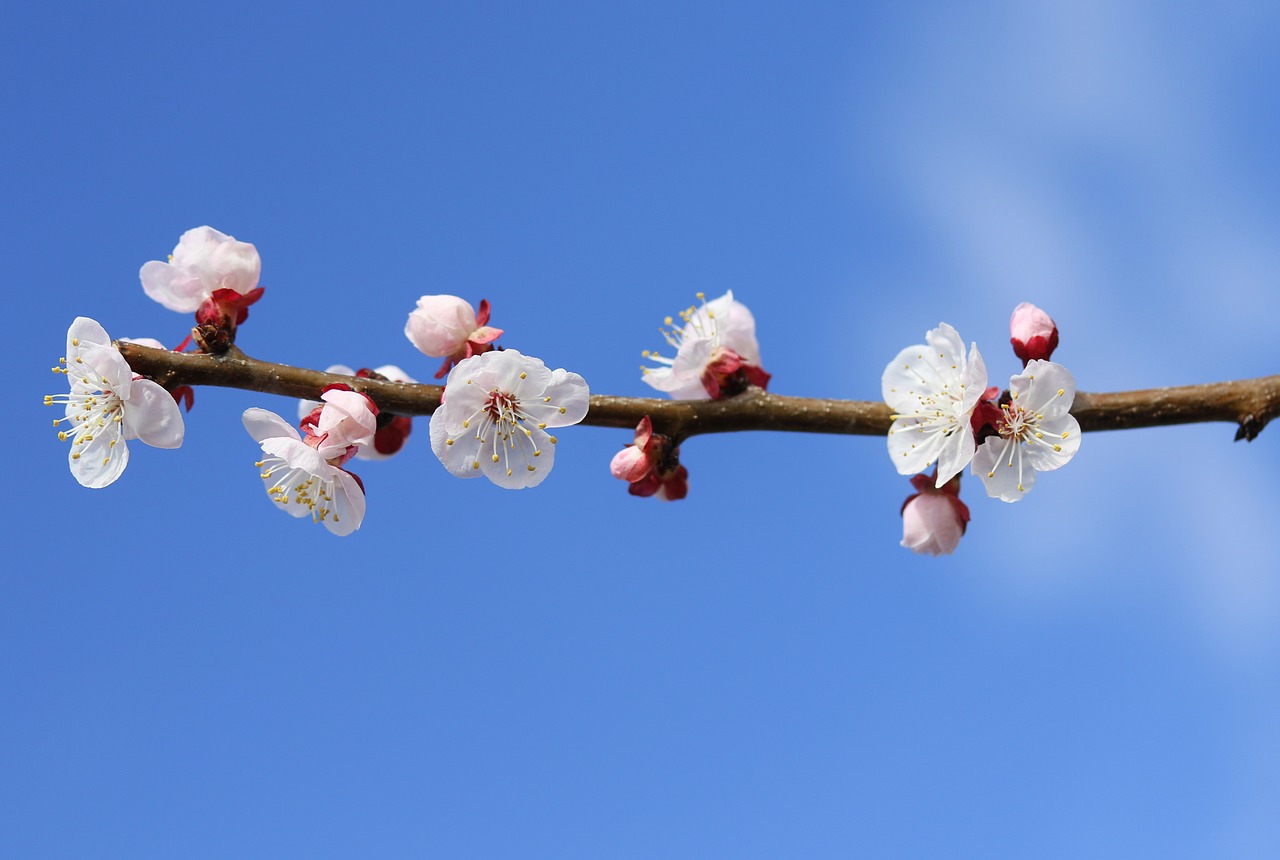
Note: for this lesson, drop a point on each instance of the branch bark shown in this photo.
(1248, 403)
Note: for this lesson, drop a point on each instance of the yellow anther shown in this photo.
(75, 341)
(1061, 392)
(532, 468)
(448, 441)
(508, 473)
(475, 464)
(523, 375)
(562, 410)
(553, 439)
(495, 458)
(466, 424)
(1065, 434)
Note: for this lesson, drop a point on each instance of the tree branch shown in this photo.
(1248, 403)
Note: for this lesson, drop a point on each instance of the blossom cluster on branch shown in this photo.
(494, 414)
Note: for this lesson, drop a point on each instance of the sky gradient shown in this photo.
(758, 670)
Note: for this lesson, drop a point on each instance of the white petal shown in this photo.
(1038, 388)
(462, 458)
(99, 463)
(900, 386)
(512, 470)
(568, 392)
(737, 330)
(263, 424)
(105, 362)
(956, 452)
(974, 380)
(948, 346)
(683, 380)
(85, 333)
(152, 416)
(911, 448)
(175, 288)
(349, 504)
(143, 341)
(1003, 470)
(1058, 442)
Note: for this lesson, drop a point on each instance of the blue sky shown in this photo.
(758, 670)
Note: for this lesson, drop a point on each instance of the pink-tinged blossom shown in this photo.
(300, 480)
(392, 429)
(448, 327)
(108, 405)
(204, 262)
(933, 518)
(651, 465)
(1032, 333)
(495, 413)
(716, 352)
(1036, 432)
(343, 425)
(933, 389)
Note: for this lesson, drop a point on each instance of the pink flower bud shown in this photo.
(1032, 333)
(933, 520)
(448, 327)
(631, 464)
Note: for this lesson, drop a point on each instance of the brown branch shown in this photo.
(1249, 403)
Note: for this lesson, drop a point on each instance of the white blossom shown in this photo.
(1037, 432)
(204, 261)
(300, 480)
(107, 406)
(496, 410)
(715, 341)
(933, 389)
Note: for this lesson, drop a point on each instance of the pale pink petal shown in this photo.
(152, 416)
(263, 424)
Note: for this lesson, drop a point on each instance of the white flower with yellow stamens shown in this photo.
(495, 413)
(300, 480)
(107, 406)
(1037, 431)
(933, 389)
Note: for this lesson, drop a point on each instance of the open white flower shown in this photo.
(203, 262)
(716, 350)
(1037, 431)
(933, 389)
(300, 480)
(107, 406)
(496, 410)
